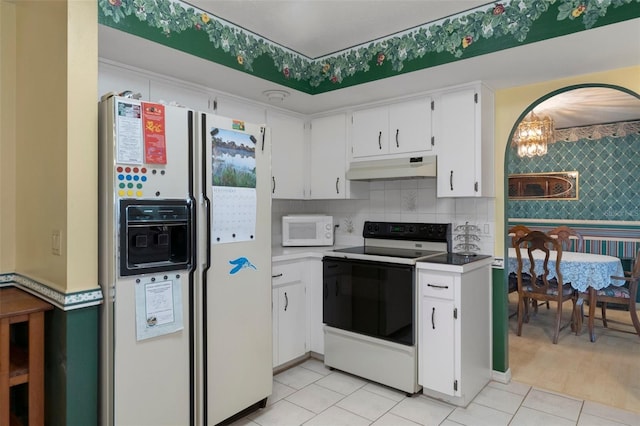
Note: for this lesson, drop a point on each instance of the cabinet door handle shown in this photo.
(276, 276)
(273, 184)
(263, 130)
(437, 286)
(337, 183)
(451, 180)
(433, 314)
(397, 142)
(380, 140)
(286, 301)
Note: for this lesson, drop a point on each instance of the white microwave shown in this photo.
(307, 230)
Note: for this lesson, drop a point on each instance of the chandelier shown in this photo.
(533, 134)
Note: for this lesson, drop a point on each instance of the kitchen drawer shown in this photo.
(433, 284)
(286, 273)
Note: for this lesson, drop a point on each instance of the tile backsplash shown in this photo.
(409, 200)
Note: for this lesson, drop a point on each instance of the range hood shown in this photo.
(395, 168)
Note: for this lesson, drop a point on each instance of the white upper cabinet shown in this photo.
(170, 93)
(116, 79)
(287, 156)
(395, 130)
(463, 132)
(238, 110)
(329, 160)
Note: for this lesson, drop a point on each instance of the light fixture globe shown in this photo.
(275, 96)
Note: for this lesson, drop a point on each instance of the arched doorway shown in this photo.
(594, 114)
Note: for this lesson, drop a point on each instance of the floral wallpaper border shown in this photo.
(489, 28)
(63, 301)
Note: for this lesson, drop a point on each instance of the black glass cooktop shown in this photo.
(389, 252)
(454, 258)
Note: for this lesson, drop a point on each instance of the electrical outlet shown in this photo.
(56, 242)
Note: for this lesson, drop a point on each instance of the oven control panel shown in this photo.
(435, 232)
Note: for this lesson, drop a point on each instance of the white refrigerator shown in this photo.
(185, 265)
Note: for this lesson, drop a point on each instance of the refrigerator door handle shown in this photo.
(207, 206)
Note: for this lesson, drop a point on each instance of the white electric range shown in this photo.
(369, 300)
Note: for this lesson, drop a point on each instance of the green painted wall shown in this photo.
(500, 321)
(71, 367)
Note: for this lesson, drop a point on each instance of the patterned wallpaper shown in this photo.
(609, 181)
(489, 28)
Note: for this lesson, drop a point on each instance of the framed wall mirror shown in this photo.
(544, 186)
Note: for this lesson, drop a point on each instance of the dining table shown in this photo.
(582, 270)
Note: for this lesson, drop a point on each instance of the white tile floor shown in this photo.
(311, 394)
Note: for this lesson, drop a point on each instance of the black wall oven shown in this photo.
(371, 298)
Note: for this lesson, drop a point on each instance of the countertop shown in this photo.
(283, 254)
(279, 253)
(467, 263)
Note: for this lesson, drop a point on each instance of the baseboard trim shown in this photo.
(501, 376)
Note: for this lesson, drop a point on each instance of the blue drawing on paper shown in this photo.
(239, 264)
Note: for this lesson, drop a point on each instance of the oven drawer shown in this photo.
(434, 284)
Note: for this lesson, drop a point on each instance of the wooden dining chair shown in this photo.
(541, 287)
(568, 237)
(571, 240)
(622, 295)
(516, 232)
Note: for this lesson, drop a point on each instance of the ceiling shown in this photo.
(319, 27)
(592, 105)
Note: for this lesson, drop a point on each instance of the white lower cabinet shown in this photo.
(289, 312)
(454, 331)
(297, 309)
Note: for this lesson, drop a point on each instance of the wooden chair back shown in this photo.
(569, 238)
(516, 232)
(538, 240)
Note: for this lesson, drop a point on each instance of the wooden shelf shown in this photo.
(19, 364)
(14, 420)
